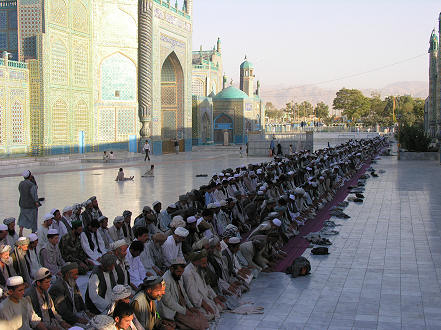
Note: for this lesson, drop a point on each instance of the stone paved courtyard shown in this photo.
(384, 270)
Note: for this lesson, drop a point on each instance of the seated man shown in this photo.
(16, 309)
(137, 271)
(92, 242)
(116, 231)
(43, 230)
(20, 259)
(42, 302)
(104, 231)
(121, 273)
(71, 249)
(201, 295)
(175, 304)
(152, 257)
(50, 256)
(99, 288)
(32, 254)
(67, 296)
(172, 248)
(122, 294)
(123, 316)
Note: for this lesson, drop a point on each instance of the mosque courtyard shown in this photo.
(383, 270)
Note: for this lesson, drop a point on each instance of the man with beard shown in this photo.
(95, 210)
(175, 304)
(6, 269)
(172, 248)
(71, 249)
(76, 213)
(137, 271)
(42, 302)
(57, 224)
(92, 242)
(121, 273)
(67, 296)
(66, 219)
(127, 228)
(116, 232)
(192, 236)
(33, 255)
(28, 202)
(165, 218)
(3, 234)
(152, 257)
(201, 295)
(99, 287)
(20, 259)
(43, 230)
(16, 309)
(104, 232)
(143, 303)
(233, 266)
(50, 256)
(12, 236)
(86, 216)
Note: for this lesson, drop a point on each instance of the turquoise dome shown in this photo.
(246, 65)
(231, 93)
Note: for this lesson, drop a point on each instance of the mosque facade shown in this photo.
(227, 114)
(110, 82)
(432, 109)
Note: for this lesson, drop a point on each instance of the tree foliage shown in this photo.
(272, 112)
(414, 138)
(353, 104)
(321, 110)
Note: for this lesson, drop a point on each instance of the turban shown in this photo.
(230, 231)
(4, 248)
(26, 174)
(101, 322)
(22, 241)
(121, 292)
(126, 213)
(177, 221)
(181, 231)
(197, 255)
(88, 202)
(277, 222)
(67, 209)
(32, 237)
(7, 221)
(3, 227)
(68, 267)
(93, 198)
(159, 237)
(118, 219)
(150, 282)
(118, 244)
(102, 218)
(14, 281)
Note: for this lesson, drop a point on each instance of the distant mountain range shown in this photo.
(280, 95)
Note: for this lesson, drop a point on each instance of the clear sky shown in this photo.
(297, 42)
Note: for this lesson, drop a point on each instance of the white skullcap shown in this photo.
(118, 219)
(156, 203)
(230, 179)
(76, 328)
(191, 219)
(172, 206)
(67, 209)
(223, 202)
(221, 175)
(53, 211)
(52, 232)
(3, 227)
(181, 231)
(26, 174)
(32, 237)
(7, 221)
(14, 281)
(118, 244)
(47, 217)
(234, 240)
(102, 218)
(121, 292)
(277, 222)
(259, 171)
(4, 248)
(321, 178)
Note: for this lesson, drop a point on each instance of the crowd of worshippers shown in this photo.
(177, 267)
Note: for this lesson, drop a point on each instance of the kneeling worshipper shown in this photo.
(201, 295)
(20, 259)
(50, 256)
(16, 309)
(6, 269)
(12, 236)
(92, 242)
(67, 296)
(101, 282)
(121, 273)
(43, 230)
(252, 251)
(33, 255)
(42, 302)
(233, 266)
(144, 303)
(172, 248)
(175, 304)
(122, 294)
(58, 224)
(104, 231)
(137, 271)
(116, 232)
(152, 257)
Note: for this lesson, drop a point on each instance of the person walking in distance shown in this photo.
(146, 150)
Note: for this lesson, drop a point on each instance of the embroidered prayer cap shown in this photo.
(177, 221)
(22, 241)
(178, 262)
(181, 231)
(76, 224)
(277, 222)
(7, 221)
(156, 203)
(3, 227)
(67, 209)
(52, 232)
(127, 213)
(118, 219)
(101, 322)
(14, 281)
(234, 240)
(191, 219)
(26, 174)
(172, 206)
(68, 267)
(42, 273)
(197, 255)
(102, 218)
(4, 248)
(47, 217)
(151, 281)
(32, 237)
(118, 244)
(121, 292)
(108, 260)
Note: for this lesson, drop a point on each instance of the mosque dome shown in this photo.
(246, 65)
(231, 93)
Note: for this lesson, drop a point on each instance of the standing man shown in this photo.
(28, 202)
(146, 150)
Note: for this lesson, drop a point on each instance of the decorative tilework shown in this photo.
(198, 87)
(59, 12)
(2, 119)
(80, 20)
(168, 95)
(168, 131)
(118, 73)
(17, 118)
(59, 63)
(126, 123)
(12, 19)
(168, 71)
(18, 75)
(59, 123)
(80, 59)
(3, 19)
(81, 118)
(107, 124)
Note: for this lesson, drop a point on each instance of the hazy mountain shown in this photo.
(280, 95)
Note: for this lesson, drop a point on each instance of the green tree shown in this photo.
(353, 104)
(321, 110)
(272, 112)
(305, 109)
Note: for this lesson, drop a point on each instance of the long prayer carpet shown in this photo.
(297, 245)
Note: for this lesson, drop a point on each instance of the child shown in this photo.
(120, 176)
(241, 152)
(106, 156)
(111, 156)
(149, 173)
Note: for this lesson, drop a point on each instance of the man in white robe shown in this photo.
(57, 224)
(152, 257)
(172, 248)
(116, 232)
(137, 271)
(92, 242)
(43, 229)
(104, 231)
